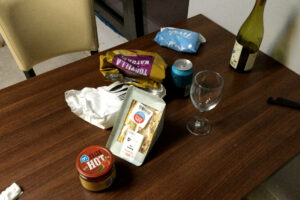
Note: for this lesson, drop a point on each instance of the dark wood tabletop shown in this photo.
(40, 137)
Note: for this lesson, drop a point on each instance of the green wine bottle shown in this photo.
(248, 39)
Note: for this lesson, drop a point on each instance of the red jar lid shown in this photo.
(94, 162)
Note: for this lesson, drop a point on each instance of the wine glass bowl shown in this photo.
(205, 93)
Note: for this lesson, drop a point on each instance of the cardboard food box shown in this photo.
(137, 127)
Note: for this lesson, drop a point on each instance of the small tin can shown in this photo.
(95, 166)
(182, 75)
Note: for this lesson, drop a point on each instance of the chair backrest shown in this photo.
(36, 30)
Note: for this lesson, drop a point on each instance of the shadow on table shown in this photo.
(123, 178)
(171, 134)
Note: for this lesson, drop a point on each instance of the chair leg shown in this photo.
(1, 41)
(94, 52)
(29, 74)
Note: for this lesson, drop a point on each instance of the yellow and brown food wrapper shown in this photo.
(138, 126)
(134, 119)
(135, 67)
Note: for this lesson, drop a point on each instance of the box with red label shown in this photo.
(137, 127)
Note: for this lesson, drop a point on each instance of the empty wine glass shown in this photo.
(205, 93)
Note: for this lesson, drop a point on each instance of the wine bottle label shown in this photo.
(241, 58)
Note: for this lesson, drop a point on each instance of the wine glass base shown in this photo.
(198, 126)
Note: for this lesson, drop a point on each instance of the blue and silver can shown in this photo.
(182, 75)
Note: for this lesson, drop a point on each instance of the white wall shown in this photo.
(281, 22)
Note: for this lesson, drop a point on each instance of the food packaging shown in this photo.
(96, 169)
(135, 67)
(180, 40)
(138, 126)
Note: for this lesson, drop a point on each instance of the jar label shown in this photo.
(94, 161)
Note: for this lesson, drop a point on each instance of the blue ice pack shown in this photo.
(179, 39)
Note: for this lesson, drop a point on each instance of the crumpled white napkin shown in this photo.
(11, 193)
(98, 106)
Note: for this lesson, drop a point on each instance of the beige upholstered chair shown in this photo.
(36, 30)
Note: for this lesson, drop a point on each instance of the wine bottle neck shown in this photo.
(260, 2)
(258, 9)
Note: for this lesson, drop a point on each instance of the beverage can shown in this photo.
(182, 75)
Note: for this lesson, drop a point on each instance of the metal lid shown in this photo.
(94, 162)
(183, 64)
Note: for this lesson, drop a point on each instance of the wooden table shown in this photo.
(40, 137)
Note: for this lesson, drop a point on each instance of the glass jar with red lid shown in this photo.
(95, 166)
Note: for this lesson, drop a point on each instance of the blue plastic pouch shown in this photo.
(179, 39)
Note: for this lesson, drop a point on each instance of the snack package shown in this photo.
(135, 67)
(137, 127)
(179, 39)
(138, 122)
